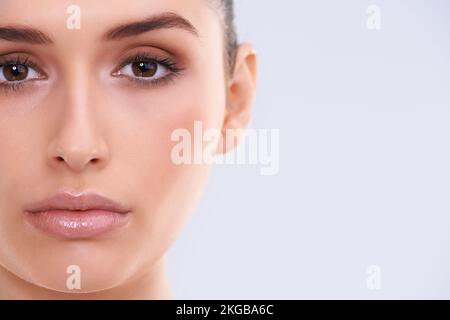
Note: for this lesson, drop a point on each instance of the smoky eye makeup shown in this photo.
(142, 69)
(145, 69)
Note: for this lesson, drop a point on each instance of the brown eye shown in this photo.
(15, 72)
(144, 69)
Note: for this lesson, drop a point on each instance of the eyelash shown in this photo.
(170, 65)
(18, 85)
(167, 63)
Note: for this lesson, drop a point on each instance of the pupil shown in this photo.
(15, 72)
(144, 69)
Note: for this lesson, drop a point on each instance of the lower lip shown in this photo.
(77, 224)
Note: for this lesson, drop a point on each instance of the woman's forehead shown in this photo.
(57, 17)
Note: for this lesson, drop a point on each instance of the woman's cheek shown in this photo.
(156, 113)
(153, 132)
(19, 152)
(25, 131)
(171, 189)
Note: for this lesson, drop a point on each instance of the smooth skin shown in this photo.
(78, 126)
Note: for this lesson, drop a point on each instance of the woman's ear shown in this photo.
(240, 93)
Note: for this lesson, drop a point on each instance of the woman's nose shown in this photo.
(77, 146)
(77, 139)
(77, 157)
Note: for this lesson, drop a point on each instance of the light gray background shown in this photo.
(364, 160)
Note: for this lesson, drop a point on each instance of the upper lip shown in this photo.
(84, 201)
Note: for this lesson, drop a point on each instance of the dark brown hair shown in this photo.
(231, 41)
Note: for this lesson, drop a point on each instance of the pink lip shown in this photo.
(75, 217)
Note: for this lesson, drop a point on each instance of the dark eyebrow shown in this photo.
(165, 20)
(24, 34)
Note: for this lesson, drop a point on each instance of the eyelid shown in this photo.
(173, 70)
(145, 56)
(23, 60)
(19, 58)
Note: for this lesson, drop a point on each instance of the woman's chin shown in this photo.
(81, 268)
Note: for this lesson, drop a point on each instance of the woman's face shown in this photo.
(94, 111)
